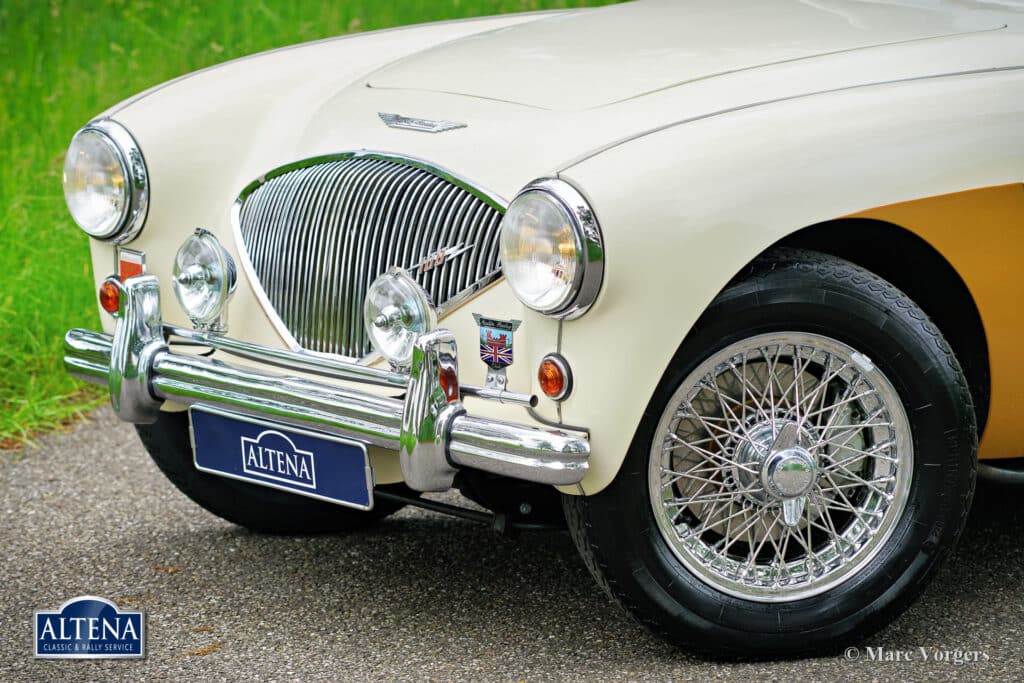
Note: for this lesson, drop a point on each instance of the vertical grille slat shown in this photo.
(457, 222)
(317, 233)
(312, 228)
(318, 279)
(331, 250)
(441, 239)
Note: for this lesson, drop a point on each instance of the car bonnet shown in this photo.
(586, 59)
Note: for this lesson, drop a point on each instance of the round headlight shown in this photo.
(204, 277)
(105, 182)
(551, 249)
(396, 312)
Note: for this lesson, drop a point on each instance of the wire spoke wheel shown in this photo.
(804, 466)
(780, 466)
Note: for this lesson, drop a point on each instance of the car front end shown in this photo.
(594, 278)
(199, 214)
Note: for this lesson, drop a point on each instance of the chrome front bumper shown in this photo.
(429, 427)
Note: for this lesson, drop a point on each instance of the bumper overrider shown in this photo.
(429, 426)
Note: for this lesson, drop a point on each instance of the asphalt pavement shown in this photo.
(418, 597)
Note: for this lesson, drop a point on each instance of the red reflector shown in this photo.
(130, 264)
(449, 384)
(110, 297)
(129, 270)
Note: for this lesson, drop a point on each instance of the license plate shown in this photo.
(287, 458)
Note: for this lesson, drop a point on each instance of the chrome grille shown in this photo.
(317, 233)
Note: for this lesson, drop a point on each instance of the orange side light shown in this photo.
(551, 378)
(110, 297)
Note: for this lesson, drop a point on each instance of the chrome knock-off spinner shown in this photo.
(775, 461)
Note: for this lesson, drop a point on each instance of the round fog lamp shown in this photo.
(396, 312)
(204, 277)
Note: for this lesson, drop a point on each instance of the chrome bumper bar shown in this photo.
(429, 427)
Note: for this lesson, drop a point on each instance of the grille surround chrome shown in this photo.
(400, 182)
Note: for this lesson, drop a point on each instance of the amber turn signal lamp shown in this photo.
(554, 377)
(110, 296)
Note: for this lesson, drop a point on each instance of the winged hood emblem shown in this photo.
(422, 125)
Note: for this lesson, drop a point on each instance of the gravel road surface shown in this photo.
(419, 597)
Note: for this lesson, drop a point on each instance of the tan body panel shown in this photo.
(976, 232)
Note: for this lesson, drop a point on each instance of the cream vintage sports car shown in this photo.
(730, 289)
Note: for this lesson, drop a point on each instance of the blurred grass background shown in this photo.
(61, 63)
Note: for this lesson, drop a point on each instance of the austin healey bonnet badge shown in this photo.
(422, 125)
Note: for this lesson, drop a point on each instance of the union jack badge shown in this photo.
(496, 341)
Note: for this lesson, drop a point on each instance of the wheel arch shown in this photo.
(918, 269)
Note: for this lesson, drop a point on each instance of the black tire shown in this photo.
(255, 507)
(794, 290)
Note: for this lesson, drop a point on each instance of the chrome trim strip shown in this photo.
(492, 198)
(558, 425)
(345, 211)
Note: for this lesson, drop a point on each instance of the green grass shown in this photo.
(61, 63)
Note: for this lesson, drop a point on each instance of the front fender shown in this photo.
(684, 209)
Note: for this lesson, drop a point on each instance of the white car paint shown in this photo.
(763, 118)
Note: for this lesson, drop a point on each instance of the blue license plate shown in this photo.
(294, 460)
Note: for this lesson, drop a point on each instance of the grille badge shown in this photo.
(422, 125)
(438, 258)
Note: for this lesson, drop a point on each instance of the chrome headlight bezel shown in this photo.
(136, 178)
(589, 245)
